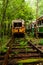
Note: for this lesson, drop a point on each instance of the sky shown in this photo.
(26, 0)
(31, 2)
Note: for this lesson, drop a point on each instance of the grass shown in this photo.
(3, 43)
(4, 39)
(20, 64)
(30, 60)
(21, 41)
(35, 40)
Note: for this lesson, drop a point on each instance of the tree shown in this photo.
(5, 3)
(4, 6)
(15, 9)
(23, 10)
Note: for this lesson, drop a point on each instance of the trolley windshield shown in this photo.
(18, 24)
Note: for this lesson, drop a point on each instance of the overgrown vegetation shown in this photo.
(41, 42)
(16, 9)
(10, 10)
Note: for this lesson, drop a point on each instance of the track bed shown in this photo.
(16, 52)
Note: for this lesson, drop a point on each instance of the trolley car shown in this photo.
(40, 25)
(39, 22)
(18, 27)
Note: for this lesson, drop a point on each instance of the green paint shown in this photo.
(40, 29)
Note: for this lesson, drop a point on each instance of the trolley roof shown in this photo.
(17, 21)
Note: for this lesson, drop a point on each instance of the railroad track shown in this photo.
(16, 52)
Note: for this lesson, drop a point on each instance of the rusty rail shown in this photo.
(30, 42)
(5, 62)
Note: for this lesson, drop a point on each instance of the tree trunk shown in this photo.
(36, 19)
(5, 3)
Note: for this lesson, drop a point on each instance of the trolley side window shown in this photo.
(18, 24)
(39, 22)
(42, 22)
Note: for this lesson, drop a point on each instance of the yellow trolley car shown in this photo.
(18, 27)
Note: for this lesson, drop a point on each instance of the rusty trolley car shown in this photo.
(18, 27)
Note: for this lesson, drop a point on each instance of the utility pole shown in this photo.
(36, 17)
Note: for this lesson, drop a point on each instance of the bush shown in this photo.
(32, 34)
(41, 42)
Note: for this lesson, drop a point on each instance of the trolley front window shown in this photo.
(18, 24)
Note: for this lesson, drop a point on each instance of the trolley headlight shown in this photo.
(22, 29)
